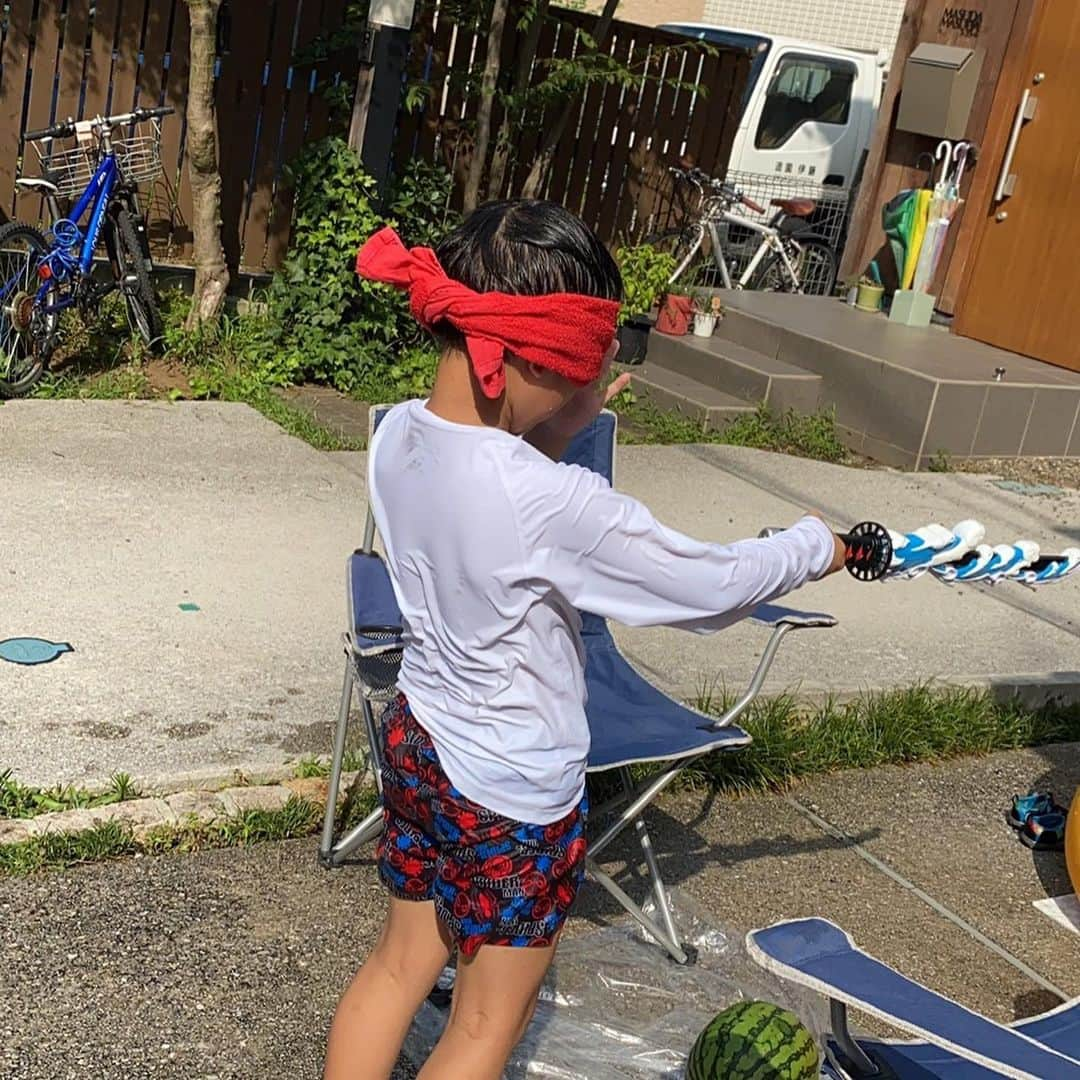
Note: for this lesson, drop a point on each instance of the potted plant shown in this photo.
(645, 273)
(676, 311)
(869, 294)
(707, 310)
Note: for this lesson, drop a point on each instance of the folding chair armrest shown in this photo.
(783, 621)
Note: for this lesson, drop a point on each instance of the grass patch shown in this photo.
(311, 766)
(810, 436)
(115, 840)
(25, 801)
(918, 724)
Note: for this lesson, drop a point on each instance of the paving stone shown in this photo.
(238, 800)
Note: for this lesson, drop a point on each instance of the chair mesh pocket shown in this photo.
(377, 668)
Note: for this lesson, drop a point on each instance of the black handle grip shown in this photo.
(57, 131)
(157, 114)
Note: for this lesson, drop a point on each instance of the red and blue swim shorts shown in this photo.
(494, 881)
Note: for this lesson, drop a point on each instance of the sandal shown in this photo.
(1035, 802)
(1044, 832)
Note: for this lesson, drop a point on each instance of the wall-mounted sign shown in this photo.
(964, 21)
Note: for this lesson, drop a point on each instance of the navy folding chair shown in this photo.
(631, 722)
(954, 1043)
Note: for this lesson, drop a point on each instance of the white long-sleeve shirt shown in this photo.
(491, 548)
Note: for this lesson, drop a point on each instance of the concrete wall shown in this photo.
(654, 12)
(859, 24)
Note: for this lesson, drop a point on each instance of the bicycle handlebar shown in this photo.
(702, 179)
(67, 128)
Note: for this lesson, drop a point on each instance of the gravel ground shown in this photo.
(226, 965)
(1062, 472)
(222, 964)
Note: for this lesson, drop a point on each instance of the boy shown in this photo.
(492, 545)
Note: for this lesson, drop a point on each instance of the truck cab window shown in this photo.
(804, 89)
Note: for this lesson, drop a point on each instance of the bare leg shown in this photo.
(375, 1011)
(494, 998)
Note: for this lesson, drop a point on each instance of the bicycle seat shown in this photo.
(38, 185)
(795, 207)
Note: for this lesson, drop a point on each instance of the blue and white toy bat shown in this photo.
(931, 546)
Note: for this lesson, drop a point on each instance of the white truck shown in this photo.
(808, 114)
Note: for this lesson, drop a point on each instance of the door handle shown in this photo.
(1007, 180)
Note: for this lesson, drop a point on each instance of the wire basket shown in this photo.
(71, 169)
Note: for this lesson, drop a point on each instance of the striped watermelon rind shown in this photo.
(754, 1040)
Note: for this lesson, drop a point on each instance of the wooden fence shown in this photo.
(610, 165)
(79, 58)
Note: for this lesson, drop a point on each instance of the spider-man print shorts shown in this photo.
(494, 881)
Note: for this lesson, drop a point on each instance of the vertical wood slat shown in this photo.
(174, 180)
(253, 245)
(43, 66)
(292, 140)
(410, 122)
(601, 155)
(548, 44)
(427, 136)
(72, 61)
(12, 89)
(577, 148)
(319, 111)
(126, 67)
(239, 96)
(470, 48)
(99, 63)
(641, 125)
(615, 189)
(151, 73)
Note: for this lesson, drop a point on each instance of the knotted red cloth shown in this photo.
(567, 333)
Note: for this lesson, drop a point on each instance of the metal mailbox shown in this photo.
(938, 90)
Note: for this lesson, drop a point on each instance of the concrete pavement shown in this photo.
(113, 514)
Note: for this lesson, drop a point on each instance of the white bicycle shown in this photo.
(790, 258)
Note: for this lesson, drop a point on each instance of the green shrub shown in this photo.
(325, 324)
(645, 273)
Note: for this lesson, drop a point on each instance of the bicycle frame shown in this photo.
(69, 255)
(770, 241)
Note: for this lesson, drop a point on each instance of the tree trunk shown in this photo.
(534, 182)
(522, 78)
(211, 271)
(487, 103)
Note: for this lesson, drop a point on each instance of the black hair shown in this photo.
(528, 247)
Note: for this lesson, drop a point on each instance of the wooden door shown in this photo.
(1025, 279)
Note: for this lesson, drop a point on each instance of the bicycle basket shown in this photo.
(139, 155)
(70, 170)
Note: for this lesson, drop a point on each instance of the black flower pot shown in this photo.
(634, 340)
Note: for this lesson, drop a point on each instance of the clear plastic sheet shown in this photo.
(616, 1007)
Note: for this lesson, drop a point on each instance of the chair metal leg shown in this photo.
(362, 834)
(669, 941)
(374, 743)
(656, 881)
(857, 1057)
(327, 843)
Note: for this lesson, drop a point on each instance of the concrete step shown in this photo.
(672, 391)
(737, 370)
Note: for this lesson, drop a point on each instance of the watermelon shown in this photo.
(754, 1040)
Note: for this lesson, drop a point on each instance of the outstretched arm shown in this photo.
(607, 554)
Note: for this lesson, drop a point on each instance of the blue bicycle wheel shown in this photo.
(27, 334)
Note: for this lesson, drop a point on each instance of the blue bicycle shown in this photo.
(41, 275)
